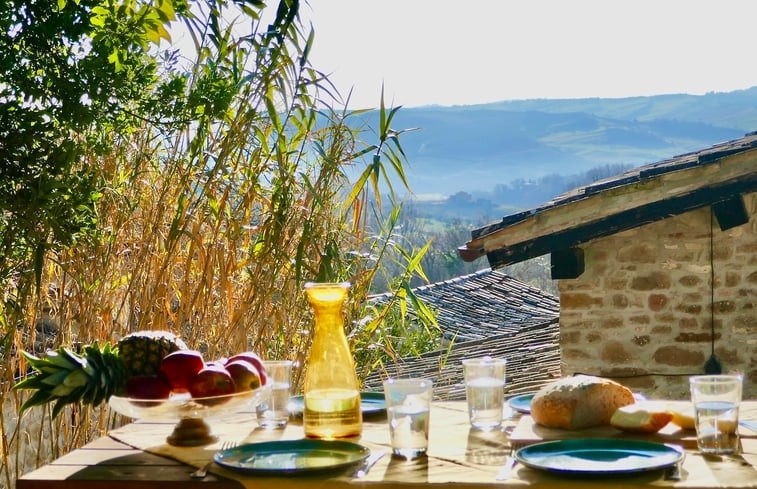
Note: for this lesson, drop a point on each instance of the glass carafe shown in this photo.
(331, 389)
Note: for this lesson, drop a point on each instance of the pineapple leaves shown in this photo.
(68, 378)
(39, 398)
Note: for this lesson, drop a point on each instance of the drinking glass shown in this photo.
(408, 403)
(716, 400)
(272, 411)
(485, 391)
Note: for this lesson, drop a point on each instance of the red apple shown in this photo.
(255, 360)
(221, 362)
(147, 387)
(209, 382)
(181, 366)
(245, 375)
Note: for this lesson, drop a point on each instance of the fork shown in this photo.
(374, 457)
(673, 473)
(506, 468)
(203, 471)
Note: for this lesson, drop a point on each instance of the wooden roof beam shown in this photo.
(622, 221)
(515, 237)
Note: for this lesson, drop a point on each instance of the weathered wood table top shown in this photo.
(136, 456)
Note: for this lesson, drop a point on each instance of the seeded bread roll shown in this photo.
(577, 402)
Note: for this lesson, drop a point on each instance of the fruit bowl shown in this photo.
(191, 429)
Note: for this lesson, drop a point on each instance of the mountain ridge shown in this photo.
(474, 148)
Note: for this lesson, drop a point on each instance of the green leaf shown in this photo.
(114, 60)
(153, 36)
(306, 50)
(39, 257)
(59, 360)
(37, 399)
(358, 187)
(77, 378)
(57, 378)
(166, 10)
(31, 382)
(58, 407)
(61, 390)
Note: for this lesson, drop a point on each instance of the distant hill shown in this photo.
(477, 147)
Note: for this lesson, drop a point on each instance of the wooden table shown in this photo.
(458, 458)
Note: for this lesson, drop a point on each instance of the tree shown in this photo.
(75, 75)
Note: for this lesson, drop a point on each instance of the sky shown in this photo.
(444, 52)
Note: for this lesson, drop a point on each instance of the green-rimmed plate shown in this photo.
(522, 403)
(598, 456)
(371, 403)
(292, 456)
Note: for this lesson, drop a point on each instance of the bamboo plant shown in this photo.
(209, 222)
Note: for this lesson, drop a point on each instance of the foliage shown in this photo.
(73, 76)
(441, 261)
(213, 197)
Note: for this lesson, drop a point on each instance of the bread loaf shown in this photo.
(577, 402)
(682, 417)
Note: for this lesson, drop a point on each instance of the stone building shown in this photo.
(656, 268)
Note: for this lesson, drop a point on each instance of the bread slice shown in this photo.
(637, 419)
(578, 402)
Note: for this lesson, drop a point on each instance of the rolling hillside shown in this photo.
(475, 148)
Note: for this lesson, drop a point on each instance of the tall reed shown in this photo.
(210, 224)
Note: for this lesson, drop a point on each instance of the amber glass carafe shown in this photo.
(332, 394)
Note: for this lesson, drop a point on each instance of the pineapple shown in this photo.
(98, 373)
(142, 351)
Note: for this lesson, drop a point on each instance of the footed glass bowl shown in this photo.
(191, 429)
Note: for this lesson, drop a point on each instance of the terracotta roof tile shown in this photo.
(481, 304)
(486, 313)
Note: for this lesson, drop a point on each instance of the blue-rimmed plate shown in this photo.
(371, 403)
(599, 456)
(522, 403)
(752, 425)
(292, 456)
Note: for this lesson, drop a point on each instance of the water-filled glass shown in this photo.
(408, 403)
(273, 410)
(484, 391)
(716, 400)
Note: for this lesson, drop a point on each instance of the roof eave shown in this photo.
(614, 209)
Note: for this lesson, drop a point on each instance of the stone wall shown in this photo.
(641, 311)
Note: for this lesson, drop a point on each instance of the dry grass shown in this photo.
(210, 230)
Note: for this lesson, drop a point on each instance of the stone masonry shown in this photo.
(642, 310)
